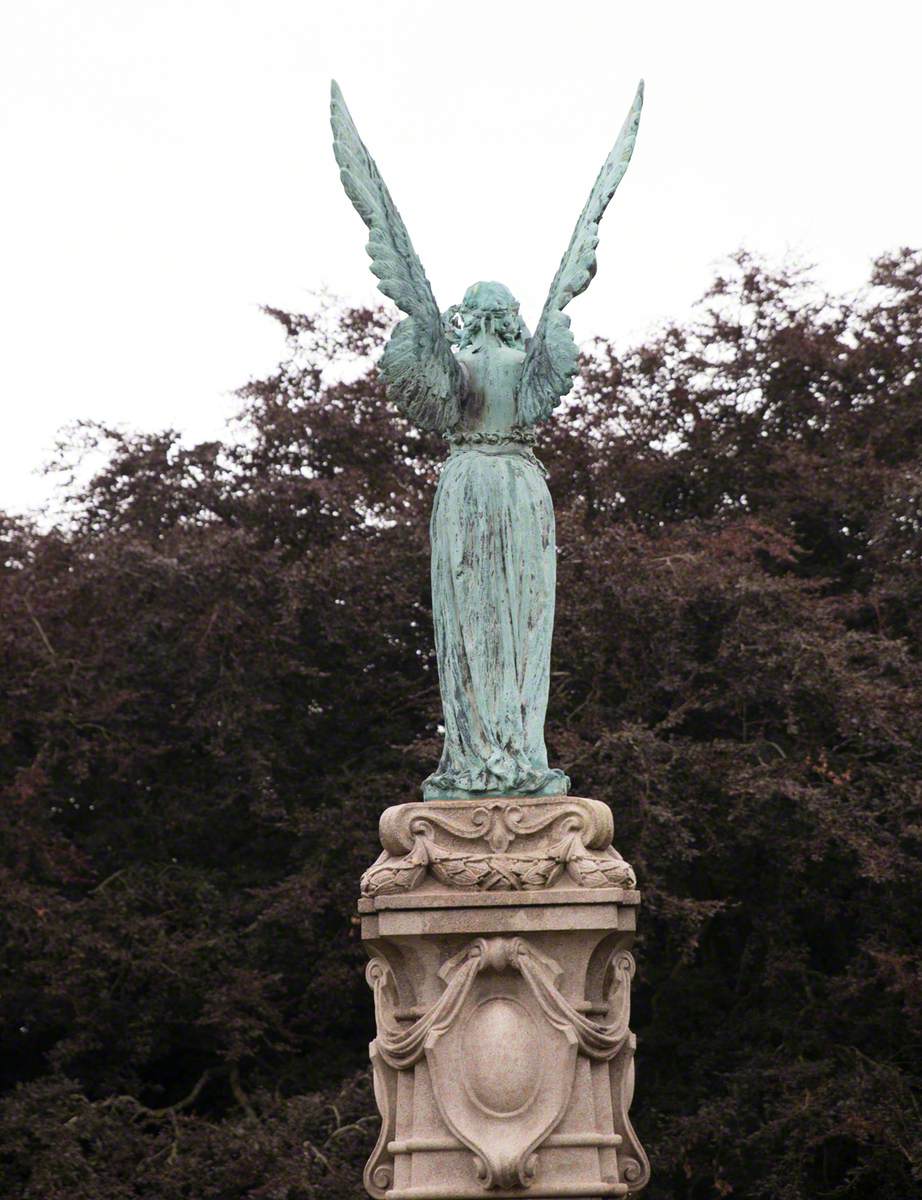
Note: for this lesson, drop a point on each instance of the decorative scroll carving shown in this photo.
(635, 1166)
(557, 835)
(502, 1111)
(379, 1170)
(497, 822)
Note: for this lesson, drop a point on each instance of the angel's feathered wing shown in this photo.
(552, 357)
(418, 366)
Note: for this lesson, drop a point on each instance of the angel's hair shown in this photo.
(464, 321)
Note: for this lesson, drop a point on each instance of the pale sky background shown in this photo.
(168, 169)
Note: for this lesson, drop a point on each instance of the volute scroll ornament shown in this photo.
(498, 822)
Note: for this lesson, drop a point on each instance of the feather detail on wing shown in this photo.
(421, 373)
(552, 357)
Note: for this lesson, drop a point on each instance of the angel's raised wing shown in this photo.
(418, 366)
(552, 357)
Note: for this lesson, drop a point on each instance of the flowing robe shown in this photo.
(493, 584)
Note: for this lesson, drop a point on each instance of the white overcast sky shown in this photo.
(168, 169)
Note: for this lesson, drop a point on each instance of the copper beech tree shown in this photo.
(219, 647)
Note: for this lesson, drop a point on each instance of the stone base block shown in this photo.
(503, 1060)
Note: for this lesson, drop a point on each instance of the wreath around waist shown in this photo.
(518, 435)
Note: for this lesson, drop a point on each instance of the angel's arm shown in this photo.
(552, 357)
(418, 366)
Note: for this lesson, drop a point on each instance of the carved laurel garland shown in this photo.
(497, 871)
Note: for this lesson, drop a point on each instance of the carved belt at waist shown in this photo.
(518, 435)
(493, 444)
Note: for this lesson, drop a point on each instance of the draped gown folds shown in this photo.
(493, 583)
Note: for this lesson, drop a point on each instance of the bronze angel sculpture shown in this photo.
(476, 375)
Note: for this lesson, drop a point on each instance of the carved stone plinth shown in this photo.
(499, 934)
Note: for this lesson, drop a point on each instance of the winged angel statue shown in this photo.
(476, 375)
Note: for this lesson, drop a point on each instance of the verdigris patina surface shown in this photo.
(499, 916)
(476, 375)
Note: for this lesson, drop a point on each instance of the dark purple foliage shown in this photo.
(219, 670)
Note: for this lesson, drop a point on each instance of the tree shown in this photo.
(219, 669)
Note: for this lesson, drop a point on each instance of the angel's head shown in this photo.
(486, 308)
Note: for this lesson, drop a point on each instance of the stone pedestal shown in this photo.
(499, 933)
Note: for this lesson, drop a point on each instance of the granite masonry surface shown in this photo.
(501, 968)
